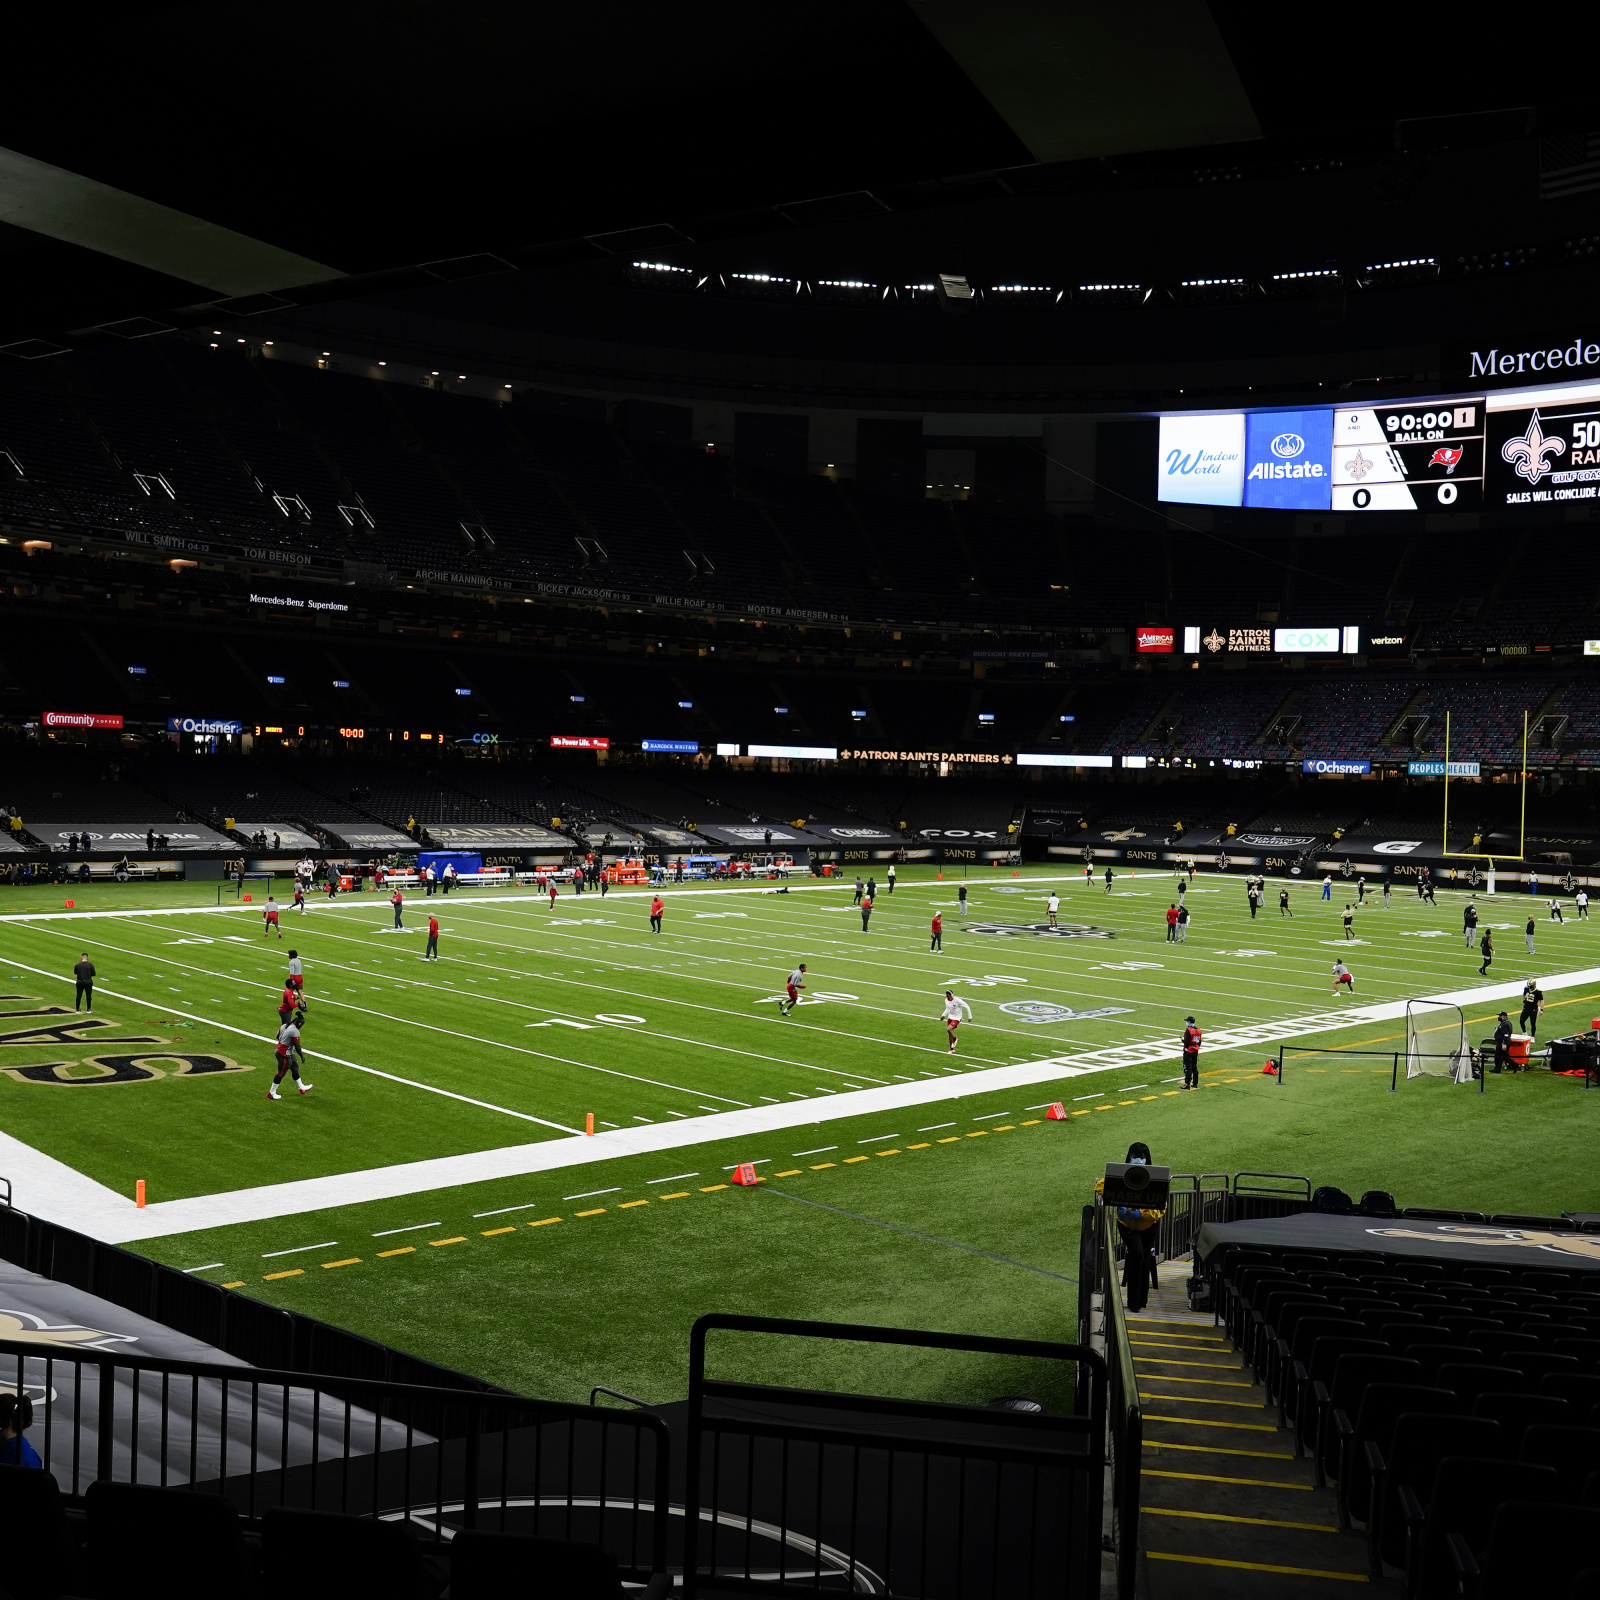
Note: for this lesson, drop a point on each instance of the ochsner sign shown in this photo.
(203, 725)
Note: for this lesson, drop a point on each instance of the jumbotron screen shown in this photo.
(1454, 453)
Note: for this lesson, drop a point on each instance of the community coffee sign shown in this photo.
(81, 719)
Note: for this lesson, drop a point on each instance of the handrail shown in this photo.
(1125, 1416)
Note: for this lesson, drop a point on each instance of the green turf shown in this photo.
(609, 1298)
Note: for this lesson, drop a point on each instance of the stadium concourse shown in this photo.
(798, 860)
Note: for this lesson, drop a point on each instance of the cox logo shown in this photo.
(1287, 446)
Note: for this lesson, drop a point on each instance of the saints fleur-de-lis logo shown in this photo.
(1527, 454)
(1358, 466)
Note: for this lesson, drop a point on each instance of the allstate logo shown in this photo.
(1287, 446)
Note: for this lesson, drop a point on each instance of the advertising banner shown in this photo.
(794, 752)
(671, 747)
(1341, 769)
(1543, 447)
(1315, 641)
(204, 725)
(578, 741)
(281, 837)
(130, 838)
(369, 836)
(1155, 641)
(1201, 460)
(497, 836)
(1052, 759)
(1286, 459)
(1436, 769)
(81, 719)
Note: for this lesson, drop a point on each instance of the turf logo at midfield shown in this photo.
(1040, 930)
(1042, 1011)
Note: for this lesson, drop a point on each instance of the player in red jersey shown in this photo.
(657, 911)
(936, 928)
(432, 952)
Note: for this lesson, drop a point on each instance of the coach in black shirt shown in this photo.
(84, 973)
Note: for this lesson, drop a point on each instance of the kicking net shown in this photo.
(1436, 1041)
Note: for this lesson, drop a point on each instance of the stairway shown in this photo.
(1227, 1511)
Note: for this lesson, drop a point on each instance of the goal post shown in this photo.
(1436, 1041)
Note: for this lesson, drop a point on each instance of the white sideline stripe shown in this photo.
(50, 1189)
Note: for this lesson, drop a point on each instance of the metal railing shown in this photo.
(1193, 1200)
(804, 1492)
(1124, 1414)
(440, 1459)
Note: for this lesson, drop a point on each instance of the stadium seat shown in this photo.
(1433, 1357)
(40, 1555)
(1341, 1396)
(1533, 1548)
(1583, 1389)
(1495, 1345)
(1310, 1380)
(1516, 1413)
(1540, 1364)
(1382, 1404)
(162, 1544)
(1466, 1492)
(510, 1566)
(1573, 1452)
(1469, 1380)
(324, 1555)
(1420, 1443)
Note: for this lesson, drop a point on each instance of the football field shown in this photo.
(437, 1188)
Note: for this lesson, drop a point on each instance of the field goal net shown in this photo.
(1436, 1041)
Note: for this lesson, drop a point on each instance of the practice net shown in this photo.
(1436, 1041)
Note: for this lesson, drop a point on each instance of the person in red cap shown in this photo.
(657, 910)
(432, 952)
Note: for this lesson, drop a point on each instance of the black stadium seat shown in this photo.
(38, 1555)
(1382, 1405)
(1517, 1413)
(1466, 1492)
(323, 1555)
(1469, 1380)
(1573, 1452)
(1533, 1548)
(1420, 1443)
(162, 1544)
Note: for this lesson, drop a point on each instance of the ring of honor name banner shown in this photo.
(1543, 448)
(1426, 455)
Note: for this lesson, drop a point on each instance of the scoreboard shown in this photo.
(1420, 456)
(1454, 453)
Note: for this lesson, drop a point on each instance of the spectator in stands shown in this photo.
(1137, 1228)
(16, 1414)
(84, 973)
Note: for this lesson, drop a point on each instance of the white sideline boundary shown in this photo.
(51, 1189)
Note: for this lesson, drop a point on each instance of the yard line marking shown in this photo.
(877, 1136)
(207, 1267)
(489, 1233)
(988, 1114)
(404, 1250)
(415, 1227)
(627, 1205)
(499, 1211)
(821, 1150)
(936, 1126)
(460, 1238)
(349, 1261)
(325, 1245)
(677, 1177)
(589, 1194)
(272, 1277)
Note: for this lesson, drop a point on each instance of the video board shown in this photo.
(1453, 453)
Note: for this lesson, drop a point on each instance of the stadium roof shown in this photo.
(163, 158)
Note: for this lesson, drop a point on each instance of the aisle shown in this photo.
(1228, 1513)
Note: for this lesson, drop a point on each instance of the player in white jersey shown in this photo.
(953, 1012)
(1582, 903)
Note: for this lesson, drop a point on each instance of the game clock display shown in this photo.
(1426, 455)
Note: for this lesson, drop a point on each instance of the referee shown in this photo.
(84, 973)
